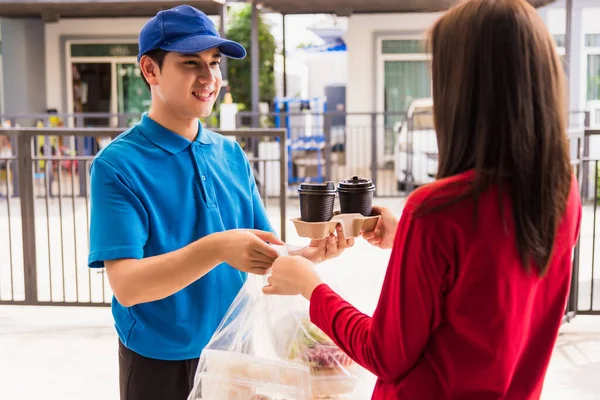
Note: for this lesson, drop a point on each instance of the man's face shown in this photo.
(188, 84)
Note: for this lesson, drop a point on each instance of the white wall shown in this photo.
(297, 77)
(23, 66)
(361, 90)
(362, 87)
(325, 69)
(591, 19)
(1, 78)
(556, 15)
(105, 28)
(309, 73)
(1, 87)
(122, 28)
(586, 15)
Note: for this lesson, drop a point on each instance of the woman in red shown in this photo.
(479, 273)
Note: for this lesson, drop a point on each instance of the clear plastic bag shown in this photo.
(266, 348)
(333, 375)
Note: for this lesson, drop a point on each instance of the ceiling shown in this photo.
(347, 7)
(52, 10)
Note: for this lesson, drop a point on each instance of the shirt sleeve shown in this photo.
(118, 221)
(391, 342)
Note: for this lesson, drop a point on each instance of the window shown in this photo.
(404, 81)
(593, 77)
(404, 68)
(104, 50)
(560, 40)
(402, 47)
(105, 78)
(592, 40)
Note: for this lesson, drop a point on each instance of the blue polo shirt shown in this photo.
(153, 192)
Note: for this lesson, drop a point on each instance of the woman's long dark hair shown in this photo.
(499, 108)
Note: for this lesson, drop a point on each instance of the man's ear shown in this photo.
(150, 70)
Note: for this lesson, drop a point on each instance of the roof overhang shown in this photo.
(52, 10)
(348, 7)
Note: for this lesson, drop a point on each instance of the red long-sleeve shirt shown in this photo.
(458, 316)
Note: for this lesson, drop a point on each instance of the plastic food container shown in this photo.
(238, 376)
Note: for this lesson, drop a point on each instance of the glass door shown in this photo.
(133, 97)
(104, 78)
(593, 77)
(92, 91)
(404, 81)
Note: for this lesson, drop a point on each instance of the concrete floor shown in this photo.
(70, 353)
(575, 365)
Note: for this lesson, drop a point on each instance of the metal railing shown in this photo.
(584, 297)
(81, 120)
(44, 214)
(337, 145)
(397, 150)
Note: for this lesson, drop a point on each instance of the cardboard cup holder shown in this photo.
(351, 223)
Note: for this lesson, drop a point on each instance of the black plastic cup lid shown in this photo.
(356, 183)
(317, 188)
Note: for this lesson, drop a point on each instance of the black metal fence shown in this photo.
(44, 213)
(81, 120)
(398, 151)
(337, 145)
(584, 296)
(44, 210)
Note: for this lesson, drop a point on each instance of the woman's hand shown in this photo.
(325, 249)
(292, 275)
(384, 234)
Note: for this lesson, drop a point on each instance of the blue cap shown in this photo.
(185, 29)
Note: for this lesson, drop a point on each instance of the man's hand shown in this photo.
(330, 247)
(247, 250)
(385, 232)
(154, 278)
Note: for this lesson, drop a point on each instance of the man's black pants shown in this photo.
(142, 378)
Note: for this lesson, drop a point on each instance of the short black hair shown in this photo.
(158, 56)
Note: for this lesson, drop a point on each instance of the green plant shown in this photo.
(240, 80)
(597, 180)
(594, 87)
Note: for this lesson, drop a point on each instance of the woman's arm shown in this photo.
(391, 342)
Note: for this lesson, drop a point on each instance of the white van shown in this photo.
(416, 152)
